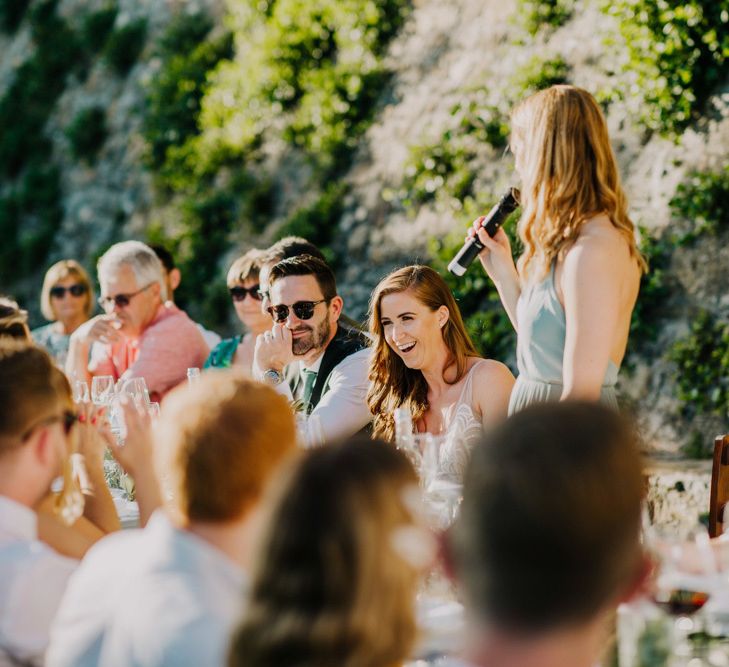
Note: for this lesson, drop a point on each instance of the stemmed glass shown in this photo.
(102, 389)
(137, 389)
(80, 391)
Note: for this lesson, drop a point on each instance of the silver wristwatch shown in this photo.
(272, 376)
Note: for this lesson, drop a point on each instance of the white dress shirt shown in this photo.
(152, 597)
(342, 410)
(32, 580)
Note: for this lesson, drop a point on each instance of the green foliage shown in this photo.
(30, 215)
(124, 45)
(173, 103)
(698, 446)
(97, 26)
(87, 133)
(317, 222)
(539, 74)
(12, 13)
(702, 367)
(654, 291)
(445, 171)
(537, 14)
(678, 51)
(310, 73)
(703, 201)
(479, 303)
(27, 104)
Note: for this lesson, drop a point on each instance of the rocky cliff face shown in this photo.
(451, 60)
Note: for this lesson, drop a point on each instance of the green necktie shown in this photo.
(309, 378)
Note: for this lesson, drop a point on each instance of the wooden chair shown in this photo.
(719, 498)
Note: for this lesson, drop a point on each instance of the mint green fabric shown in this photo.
(540, 349)
(222, 354)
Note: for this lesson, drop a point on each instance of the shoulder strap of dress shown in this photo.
(467, 391)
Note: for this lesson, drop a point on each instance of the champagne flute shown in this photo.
(102, 389)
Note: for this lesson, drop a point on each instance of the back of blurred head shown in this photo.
(548, 536)
(330, 587)
(218, 443)
(33, 397)
(13, 320)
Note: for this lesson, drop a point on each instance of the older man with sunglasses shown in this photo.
(139, 335)
(324, 365)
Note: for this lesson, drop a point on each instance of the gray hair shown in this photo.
(140, 258)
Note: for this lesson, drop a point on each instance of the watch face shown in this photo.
(272, 376)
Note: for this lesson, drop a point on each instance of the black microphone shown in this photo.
(495, 218)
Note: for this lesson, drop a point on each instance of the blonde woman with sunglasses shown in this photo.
(245, 293)
(67, 301)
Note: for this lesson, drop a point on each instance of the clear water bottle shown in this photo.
(193, 375)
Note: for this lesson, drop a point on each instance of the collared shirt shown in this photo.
(151, 597)
(342, 410)
(161, 355)
(33, 578)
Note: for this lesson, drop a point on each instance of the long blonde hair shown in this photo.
(392, 383)
(569, 174)
(328, 588)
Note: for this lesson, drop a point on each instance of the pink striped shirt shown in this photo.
(161, 355)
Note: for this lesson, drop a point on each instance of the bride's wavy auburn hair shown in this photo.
(569, 174)
(392, 383)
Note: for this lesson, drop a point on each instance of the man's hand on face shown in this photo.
(102, 328)
(274, 348)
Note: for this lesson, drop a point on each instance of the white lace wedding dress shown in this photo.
(462, 429)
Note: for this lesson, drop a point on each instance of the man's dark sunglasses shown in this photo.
(58, 292)
(304, 310)
(121, 300)
(239, 293)
(67, 419)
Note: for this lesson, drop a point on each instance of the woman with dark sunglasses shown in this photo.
(243, 287)
(67, 300)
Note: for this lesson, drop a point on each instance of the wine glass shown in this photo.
(137, 389)
(102, 389)
(80, 391)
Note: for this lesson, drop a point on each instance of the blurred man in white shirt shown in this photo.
(33, 444)
(169, 594)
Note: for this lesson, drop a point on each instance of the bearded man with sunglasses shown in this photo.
(140, 335)
(308, 357)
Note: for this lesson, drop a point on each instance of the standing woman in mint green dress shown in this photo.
(245, 293)
(67, 300)
(571, 294)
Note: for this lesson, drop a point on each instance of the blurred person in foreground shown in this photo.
(173, 278)
(170, 593)
(548, 540)
(140, 335)
(36, 428)
(13, 320)
(67, 301)
(307, 356)
(337, 569)
(245, 292)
